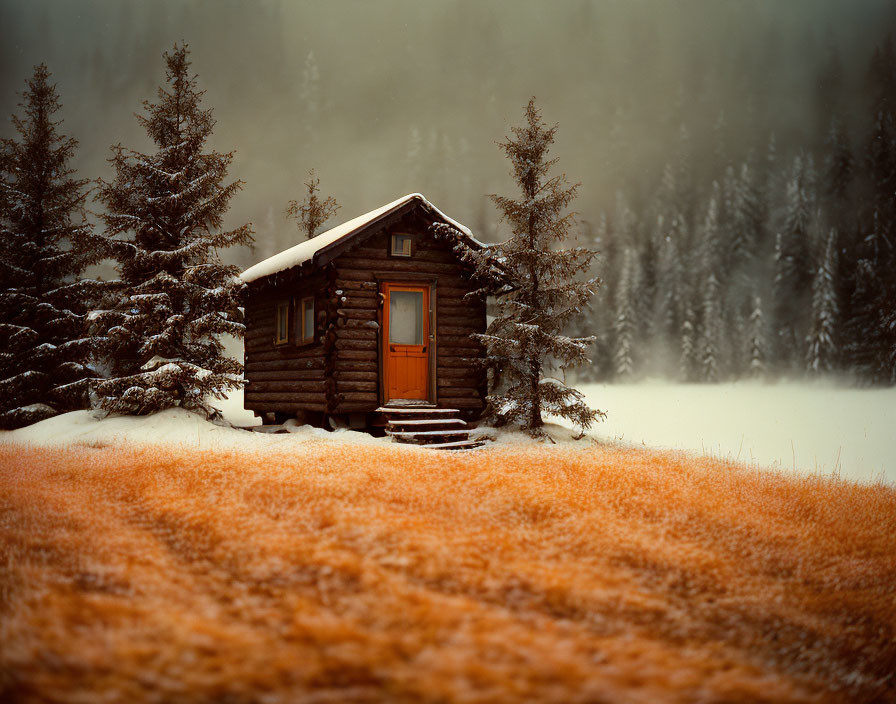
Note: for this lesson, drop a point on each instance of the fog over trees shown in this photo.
(736, 159)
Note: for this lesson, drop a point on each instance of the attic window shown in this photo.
(401, 245)
(305, 321)
(281, 334)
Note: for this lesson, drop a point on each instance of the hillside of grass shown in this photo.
(349, 573)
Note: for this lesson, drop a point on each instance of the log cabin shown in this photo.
(373, 313)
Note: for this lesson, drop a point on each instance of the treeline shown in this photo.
(774, 267)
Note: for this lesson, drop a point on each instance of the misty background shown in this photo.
(390, 97)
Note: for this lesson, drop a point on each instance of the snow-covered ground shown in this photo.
(168, 428)
(819, 427)
(811, 427)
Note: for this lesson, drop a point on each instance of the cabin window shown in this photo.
(401, 245)
(281, 334)
(305, 310)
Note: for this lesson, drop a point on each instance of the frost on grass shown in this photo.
(342, 572)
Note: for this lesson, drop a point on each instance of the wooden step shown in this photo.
(426, 421)
(394, 410)
(409, 402)
(424, 433)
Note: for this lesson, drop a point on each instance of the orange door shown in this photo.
(406, 341)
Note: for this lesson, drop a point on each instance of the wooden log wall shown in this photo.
(359, 272)
(284, 378)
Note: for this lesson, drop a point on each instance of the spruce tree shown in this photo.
(793, 267)
(687, 364)
(757, 351)
(821, 342)
(543, 292)
(746, 225)
(707, 293)
(624, 323)
(313, 212)
(43, 250)
(710, 336)
(163, 220)
(670, 282)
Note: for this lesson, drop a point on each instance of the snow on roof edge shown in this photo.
(304, 251)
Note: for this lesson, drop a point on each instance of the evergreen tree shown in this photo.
(164, 216)
(313, 212)
(708, 293)
(746, 226)
(670, 279)
(769, 181)
(624, 323)
(543, 293)
(687, 364)
(710, 252)
(646, 294)
(710, 337)
(43, 250)
(757, 351)
(821, 342)
(744, 244)
(793, 270)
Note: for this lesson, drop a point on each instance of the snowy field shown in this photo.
(810, 427)
(816, 427)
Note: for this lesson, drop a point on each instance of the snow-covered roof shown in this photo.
(305, 251)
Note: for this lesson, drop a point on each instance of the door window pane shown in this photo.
(406, 317)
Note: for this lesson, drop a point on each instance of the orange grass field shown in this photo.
(347, 573)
